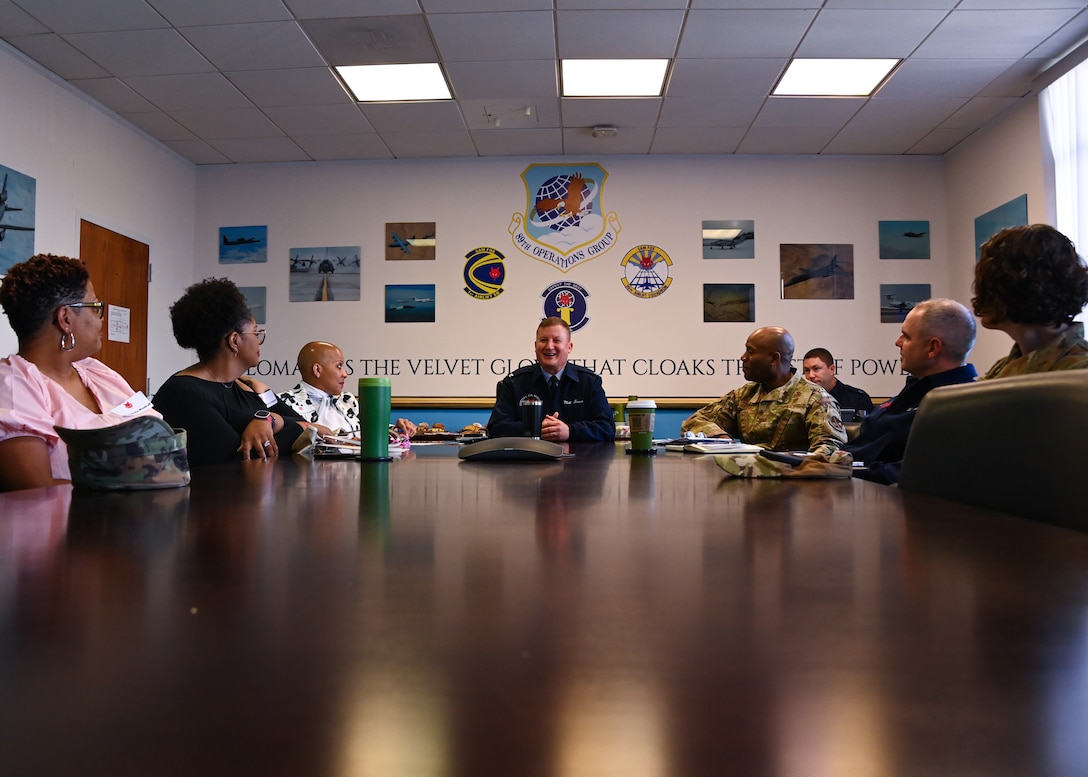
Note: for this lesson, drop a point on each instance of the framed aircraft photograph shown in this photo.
(817, 270)
(243, 245)
(903, 239)
(1013, 213)
(729, 302)
(256, 297)
(734, 239)
(897, 299)
(17, 216)
(325, 274)
(409, 303)
(408, 240)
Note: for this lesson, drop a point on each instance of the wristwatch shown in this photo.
(264, 415)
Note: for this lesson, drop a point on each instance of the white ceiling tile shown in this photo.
(629, 140)
(978, 111)
(494, 36)
(431, 144)
(412, 117)
(510, 114)
(372, 40)
(505, 80)
(696, 140)
(341, 147)
(909, 113)
(312, 120)
(618, 34)
(189, 13)
(271, 45)
(695, 113)
(983, 34)
(940, 141)
(159, 125)
(141, 52)
(808, 111)
(15, 21)
(336, 9)
(859, 139)
(243, 150)
(198, 152)
(589, 112)
(227, 124)
(115, 95)
(519, 142)
(863, 33)
(925, 78)
(296, 86)
(197, 91)
(59, 56)
(744, 34)
(786, 140)
(66, 16)
(724, 79)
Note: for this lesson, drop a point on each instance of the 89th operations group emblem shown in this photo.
(484, 273)
(646, 271)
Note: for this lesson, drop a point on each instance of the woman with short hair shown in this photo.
(53, 379)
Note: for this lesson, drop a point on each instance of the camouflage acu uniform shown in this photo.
(798, 416)
(1068, 352)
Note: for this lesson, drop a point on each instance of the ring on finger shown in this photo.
(267, 443)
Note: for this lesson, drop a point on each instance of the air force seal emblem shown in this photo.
(564, 221)
(567, 301)
(646, 271)
(484, 273)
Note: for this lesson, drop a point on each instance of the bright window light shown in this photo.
(834, 77)
(614, 77)
(395, 83)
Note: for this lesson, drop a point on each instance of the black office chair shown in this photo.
(1015, 445)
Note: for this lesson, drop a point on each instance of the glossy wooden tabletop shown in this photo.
(601, 615)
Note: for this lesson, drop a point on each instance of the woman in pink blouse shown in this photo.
(53, 381)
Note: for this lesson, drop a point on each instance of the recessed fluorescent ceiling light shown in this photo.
(395, 83)
(834, 77)
(614, 77)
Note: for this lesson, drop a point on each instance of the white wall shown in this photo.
(88, 164)
(659, 201)
(998, 164)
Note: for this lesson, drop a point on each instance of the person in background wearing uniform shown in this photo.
(777, 408)
(819, 368)
(1030, 283)
(933, 345)
(575, 405)
(320, 397)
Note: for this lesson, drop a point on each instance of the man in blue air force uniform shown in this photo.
(574, 403)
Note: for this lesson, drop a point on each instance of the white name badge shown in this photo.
(137, 403)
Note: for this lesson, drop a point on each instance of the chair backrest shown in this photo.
(1016, 445)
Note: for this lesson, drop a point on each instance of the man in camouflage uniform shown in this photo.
(777, 409)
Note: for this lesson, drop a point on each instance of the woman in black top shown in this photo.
(225, 414)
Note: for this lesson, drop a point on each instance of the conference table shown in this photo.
(603, 614)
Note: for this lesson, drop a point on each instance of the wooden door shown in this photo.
(119, 268)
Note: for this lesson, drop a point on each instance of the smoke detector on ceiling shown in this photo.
(605, 131)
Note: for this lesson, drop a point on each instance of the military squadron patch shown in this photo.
(646, 271)
(567, 301)
(484, 273)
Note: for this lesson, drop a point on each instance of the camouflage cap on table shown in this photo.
(141, 453)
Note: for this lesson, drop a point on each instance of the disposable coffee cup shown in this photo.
(375, 398)
(532, 415)
(640, 417)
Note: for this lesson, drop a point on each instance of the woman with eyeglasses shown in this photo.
(54, 380)
(226, 415)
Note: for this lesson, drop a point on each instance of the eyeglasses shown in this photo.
(98, 305)
(261, 334)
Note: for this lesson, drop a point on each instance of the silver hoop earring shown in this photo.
(70, 347)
